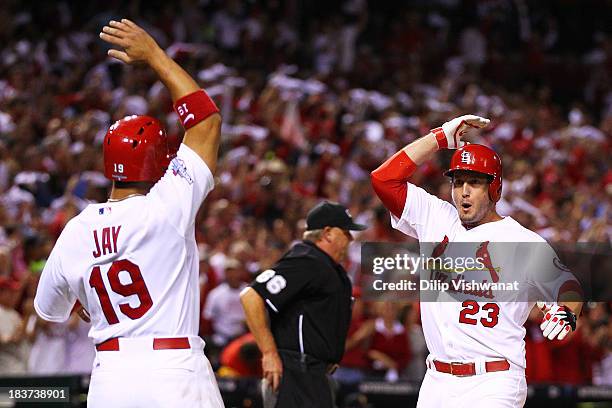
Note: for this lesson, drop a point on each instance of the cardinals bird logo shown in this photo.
(483, 253)
(440, 248)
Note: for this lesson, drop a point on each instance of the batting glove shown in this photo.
(450, 134)
(558, 322)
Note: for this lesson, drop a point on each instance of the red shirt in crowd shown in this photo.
(572, 359)
(356, 356)
(537, 351)
(393, 343)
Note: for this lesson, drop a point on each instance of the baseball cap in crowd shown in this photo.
(328, 214)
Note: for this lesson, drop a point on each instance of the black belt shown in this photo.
(306, 362)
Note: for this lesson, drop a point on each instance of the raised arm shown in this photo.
(197, 111)
(390, 178)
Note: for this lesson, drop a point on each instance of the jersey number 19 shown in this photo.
(136, 287)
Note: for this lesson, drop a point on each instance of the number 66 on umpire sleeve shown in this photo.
(286, 281)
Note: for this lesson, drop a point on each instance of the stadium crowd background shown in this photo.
(314, 95)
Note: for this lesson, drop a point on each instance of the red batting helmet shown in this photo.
(136, 148)
(480, 159)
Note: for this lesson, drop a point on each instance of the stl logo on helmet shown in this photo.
(466, 157)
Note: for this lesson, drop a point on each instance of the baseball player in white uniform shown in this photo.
(132, 262)
(476, 345)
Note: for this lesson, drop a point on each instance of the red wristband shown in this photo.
(194, 108)
(440, 138)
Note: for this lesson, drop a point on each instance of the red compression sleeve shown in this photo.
(389, 181)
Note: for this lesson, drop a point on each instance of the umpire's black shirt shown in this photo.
(309, 298)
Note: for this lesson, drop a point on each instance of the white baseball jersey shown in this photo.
(133, 263)
(473, 325)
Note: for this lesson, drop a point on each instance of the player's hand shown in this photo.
(83, 314)
(450, 134)
(544, 306)
(138, 46)
(272, 368)
(558, 321)
(81, 311)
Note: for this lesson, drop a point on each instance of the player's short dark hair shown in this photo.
(489, 177)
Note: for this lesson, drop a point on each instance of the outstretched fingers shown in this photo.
(476, 121)
(120, 55)
(115, 32)
(129, 23)
(119, 25)
(111, 38)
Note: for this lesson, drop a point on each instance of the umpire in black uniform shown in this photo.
(308, 297)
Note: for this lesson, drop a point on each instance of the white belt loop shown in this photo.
(480, 366)
(429, 362)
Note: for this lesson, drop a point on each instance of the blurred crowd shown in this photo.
(314, 95)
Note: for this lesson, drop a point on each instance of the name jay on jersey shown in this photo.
(108, 236)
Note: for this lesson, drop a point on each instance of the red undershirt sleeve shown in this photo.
(389, 181)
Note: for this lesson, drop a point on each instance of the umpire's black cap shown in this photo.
(328, 214)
